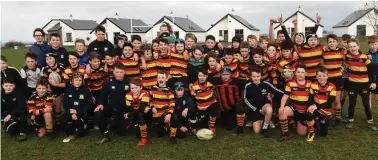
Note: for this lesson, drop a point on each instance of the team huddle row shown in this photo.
(178, 87)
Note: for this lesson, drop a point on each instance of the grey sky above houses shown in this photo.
(19, 19)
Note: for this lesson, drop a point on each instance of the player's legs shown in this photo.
(240, 116)
(57, 106)
(283, 116)
(365, 94)
(310, 119)
(212, 112)
(352, 93)
(48, 117)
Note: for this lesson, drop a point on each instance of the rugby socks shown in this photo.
(173, 132)
(240, 119)
(143, 131)
(338, 114)
(285, 127)
(310, 126)
(212, 122)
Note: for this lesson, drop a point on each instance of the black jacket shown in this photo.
(255, 96)
(13, 74)
(13, 103)
(101, 47)
(79, 99)
(113, 94)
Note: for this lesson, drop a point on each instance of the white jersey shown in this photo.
(32, 76)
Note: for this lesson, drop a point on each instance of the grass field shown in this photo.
(356, 143)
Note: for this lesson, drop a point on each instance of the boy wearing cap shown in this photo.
(56, 88)
(229, 98)
(184, 117)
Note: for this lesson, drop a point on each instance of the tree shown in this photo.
(11, 44)
(371, 18)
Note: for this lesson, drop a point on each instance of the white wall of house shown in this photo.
(302, 23)
(231, 25)
(352, 29)
(75, 34)
(153, 32)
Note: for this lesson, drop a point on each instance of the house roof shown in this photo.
(295, 15)
(240, 20)
(76, 24)
(56, 27)
(185, 24)
(353, 17)
(125, 25)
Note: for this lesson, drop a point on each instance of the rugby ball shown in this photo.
(205, 134)
(55, 77)
(287, 74)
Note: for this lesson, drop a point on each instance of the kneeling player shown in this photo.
(256, 99)
(13, 109)
(294, 103)
(202, 90)
(40, 109)
(230, 101)
(137, 102)
(76, 102)
(183, 114)
(162, 104)
(323, 93)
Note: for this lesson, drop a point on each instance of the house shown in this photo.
(304, 24)
(181, 26)
(358, 23)
(128, 27)
(231, 25)
(70, 30)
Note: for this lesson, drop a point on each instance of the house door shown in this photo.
(225, 35)
(115, 37)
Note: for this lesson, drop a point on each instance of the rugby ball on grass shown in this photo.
(55, 77)
(205, 134)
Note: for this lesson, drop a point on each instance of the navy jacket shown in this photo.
(113, 94)
(255, 96)
(79, 99)
(101, 47)
(12, 73)
(40, 50)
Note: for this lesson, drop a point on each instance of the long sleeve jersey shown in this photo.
(79, 99)
(256, 95)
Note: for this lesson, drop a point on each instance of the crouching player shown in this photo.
(76, 102)
(323, 94)
(137, 103)
(256, 99)
(162, 104)
(40, 109)
(184, 114)
(111, 103)
(13, 109)
(294, 103)
(230, 101)
(202, 90)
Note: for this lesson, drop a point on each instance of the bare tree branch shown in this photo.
(371, 18)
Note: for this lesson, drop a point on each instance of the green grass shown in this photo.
(356, 143)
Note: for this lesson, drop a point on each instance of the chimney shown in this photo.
(71, 17)
(116, 15)
(187, 17)
(232, 11)
(299, 8)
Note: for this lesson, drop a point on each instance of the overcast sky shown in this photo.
(19, 19)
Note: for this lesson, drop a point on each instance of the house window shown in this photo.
(308, 30)
(290, 31)
(220, 33)
(177, 34)
(239, 33)
(361, 30)
(68, 37)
